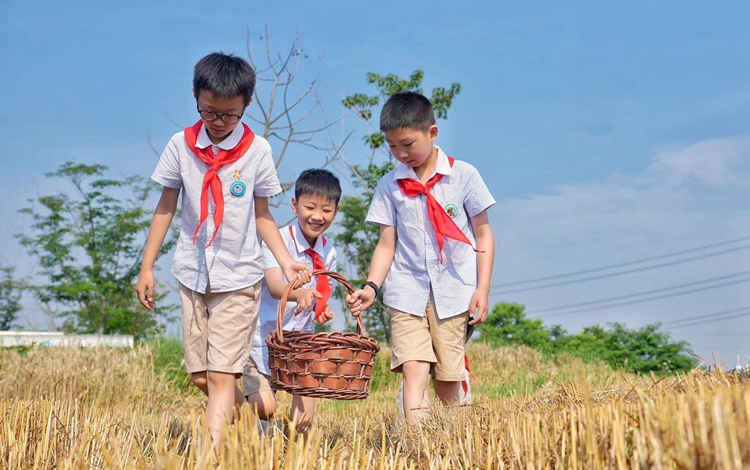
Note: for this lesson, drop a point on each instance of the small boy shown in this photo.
(315, 203)
(218, 260)
(432, 212)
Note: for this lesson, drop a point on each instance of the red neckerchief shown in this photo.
(211, 180)
(322, 284)
(442, 223)
(465, 383)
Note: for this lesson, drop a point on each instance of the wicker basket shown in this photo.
(332, 365)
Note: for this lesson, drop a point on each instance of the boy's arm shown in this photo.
(480, 302)
(277, 284)
(269, 233)
(160, 223)
(382, 258)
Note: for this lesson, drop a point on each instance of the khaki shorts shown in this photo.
(217, 328)
(253, 381)
(430, 339)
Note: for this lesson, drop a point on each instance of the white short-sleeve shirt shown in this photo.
(269, 307)
(233, 261)
(416, 265)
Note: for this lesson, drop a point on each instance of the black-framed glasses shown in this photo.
(212, 116)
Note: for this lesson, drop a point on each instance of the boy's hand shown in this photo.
(359, 300)
(145, 288)
(326, 315)
(479, 306)
(304, 298)
(295, 270)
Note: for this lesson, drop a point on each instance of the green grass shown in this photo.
(519, 384)
(169, 354)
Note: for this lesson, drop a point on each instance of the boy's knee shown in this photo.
(220, 378)
(262, 403)
(199, 380)
(416, 369)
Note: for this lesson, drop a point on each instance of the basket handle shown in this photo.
(293, 284)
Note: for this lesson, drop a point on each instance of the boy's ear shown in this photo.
(248, 102)
(433, 132)
(294, 205)
(195, 95)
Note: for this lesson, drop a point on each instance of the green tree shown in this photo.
(11, 290)
(642, 351)
(89, 245)
(645, 350)
(507, 325)
(357, 238)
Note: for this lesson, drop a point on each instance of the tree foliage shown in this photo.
(89, 245)
(506, 324)
(647, 349)
(357, 238)
(11, 290)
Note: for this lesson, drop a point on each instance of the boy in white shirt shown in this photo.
(316, 202)
(220, 166)
(432, 212)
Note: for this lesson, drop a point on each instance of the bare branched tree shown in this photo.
(287, 114)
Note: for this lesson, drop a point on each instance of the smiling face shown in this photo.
(315, 214)
(413, 147)
(218, 130)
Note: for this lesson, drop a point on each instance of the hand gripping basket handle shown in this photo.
(293, 284)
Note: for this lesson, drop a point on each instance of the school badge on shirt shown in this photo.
(451, 210)
(238, 188)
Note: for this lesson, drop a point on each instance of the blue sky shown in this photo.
(606, 132)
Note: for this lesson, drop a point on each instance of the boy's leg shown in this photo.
(416, 390)
(258, 392)
(303, 412)
(448, 337)
(200, 380)
(195, 336)
(231, 323)
(221, 403)
(413, 355)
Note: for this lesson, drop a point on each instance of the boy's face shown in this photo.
(412, 147)
(315, 214)
(218, 130)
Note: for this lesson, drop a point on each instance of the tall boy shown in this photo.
(316, 202)
(226, 174)
(432, 212)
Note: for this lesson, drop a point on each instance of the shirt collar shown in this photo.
(442, 166)
(301, 241)
(203, 141)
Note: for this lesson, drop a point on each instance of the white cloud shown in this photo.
(712, 162)
(689, 196)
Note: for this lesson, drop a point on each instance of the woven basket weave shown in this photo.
(333, 365)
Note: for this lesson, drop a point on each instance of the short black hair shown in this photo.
(320, 182)
(407, 109)
(224, 75)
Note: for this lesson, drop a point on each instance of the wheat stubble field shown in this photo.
(69, 408)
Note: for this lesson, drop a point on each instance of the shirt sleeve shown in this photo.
(167, 172)
(266, 179)
(268, 259)
(477, 197)
(382, 209)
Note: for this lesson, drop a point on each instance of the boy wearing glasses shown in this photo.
(226, 175)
